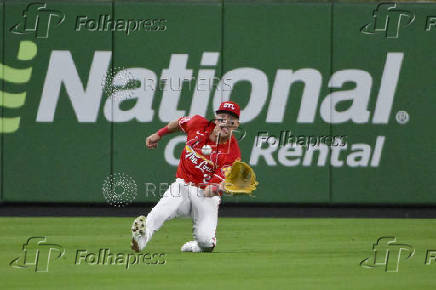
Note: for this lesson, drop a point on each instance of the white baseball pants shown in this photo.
(180, 200)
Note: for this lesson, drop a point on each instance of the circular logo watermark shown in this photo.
(116, 83)
(402, 117)
(119, 189)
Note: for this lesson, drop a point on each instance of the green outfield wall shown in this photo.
(83, 84)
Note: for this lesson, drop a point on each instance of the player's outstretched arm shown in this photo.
(152, 140)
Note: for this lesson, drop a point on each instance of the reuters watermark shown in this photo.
(120, 189)
(123, 84)
(192, 83)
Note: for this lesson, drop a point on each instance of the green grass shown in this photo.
(251, 253)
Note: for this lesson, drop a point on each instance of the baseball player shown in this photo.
(210, 149)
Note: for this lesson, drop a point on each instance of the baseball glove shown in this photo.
(240, 179)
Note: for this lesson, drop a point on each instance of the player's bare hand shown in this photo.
(212, 190)
(152, 140)
(208, 191)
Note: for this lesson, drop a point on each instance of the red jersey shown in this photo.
(197, 167)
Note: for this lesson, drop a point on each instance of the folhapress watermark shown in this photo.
(38, 19)
(105, 257)
(106, 22)
(388, 19)
(37, 255)
(387, 254)
(285, 137)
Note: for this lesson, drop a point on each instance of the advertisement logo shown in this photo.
(88, 100)
(37, 254)
(229, 106)
(387, 19)
(18, 76)
(37, 19)
(387, 254)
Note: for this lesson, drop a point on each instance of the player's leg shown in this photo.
(174, 203)
(205, 219)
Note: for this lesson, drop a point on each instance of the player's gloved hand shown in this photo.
(241, 179)
(152, 140)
